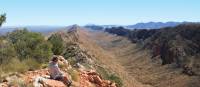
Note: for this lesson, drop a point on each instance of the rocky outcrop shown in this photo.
(41, 78)
(79, 55)
(95, 78)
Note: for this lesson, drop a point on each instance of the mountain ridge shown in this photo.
(154, 25)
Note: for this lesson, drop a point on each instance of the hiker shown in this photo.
(55, 72)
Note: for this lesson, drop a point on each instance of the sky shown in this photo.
(102, 12)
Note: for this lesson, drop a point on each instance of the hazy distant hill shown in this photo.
(100, 27)
(153, 25)
(41, 29)
(94, 27)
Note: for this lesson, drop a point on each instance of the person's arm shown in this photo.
(58, 70)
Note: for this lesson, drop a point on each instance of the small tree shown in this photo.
(57, 43)
(2, 19)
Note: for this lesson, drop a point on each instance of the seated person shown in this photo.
(55, 72)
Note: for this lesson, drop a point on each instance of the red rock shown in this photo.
(97, 79)
(53, 83)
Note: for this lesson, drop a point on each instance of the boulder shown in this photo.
(4, 84)
(53, 83)
(188, 71)
(43, 82)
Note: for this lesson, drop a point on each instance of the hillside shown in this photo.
(167, 57)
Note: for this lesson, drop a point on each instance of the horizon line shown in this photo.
(94, 24)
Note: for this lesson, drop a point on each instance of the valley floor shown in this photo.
(138, 65)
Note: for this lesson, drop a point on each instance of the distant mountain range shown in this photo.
(148, 25)
(153, 25)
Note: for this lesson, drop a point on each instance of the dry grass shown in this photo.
(74, 75)
(138, 64)
(14, 66)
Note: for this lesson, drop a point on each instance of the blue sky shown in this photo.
(124, 12)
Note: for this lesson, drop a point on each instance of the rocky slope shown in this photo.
(173, 45)
(173, 64)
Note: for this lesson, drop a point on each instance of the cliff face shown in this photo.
(179, 45)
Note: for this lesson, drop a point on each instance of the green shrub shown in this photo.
(72, 60)
(116, 79)
(30, 45)
(103, 72)
(57, 42)
(22, 50)
(107, 75)
(70, 50)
